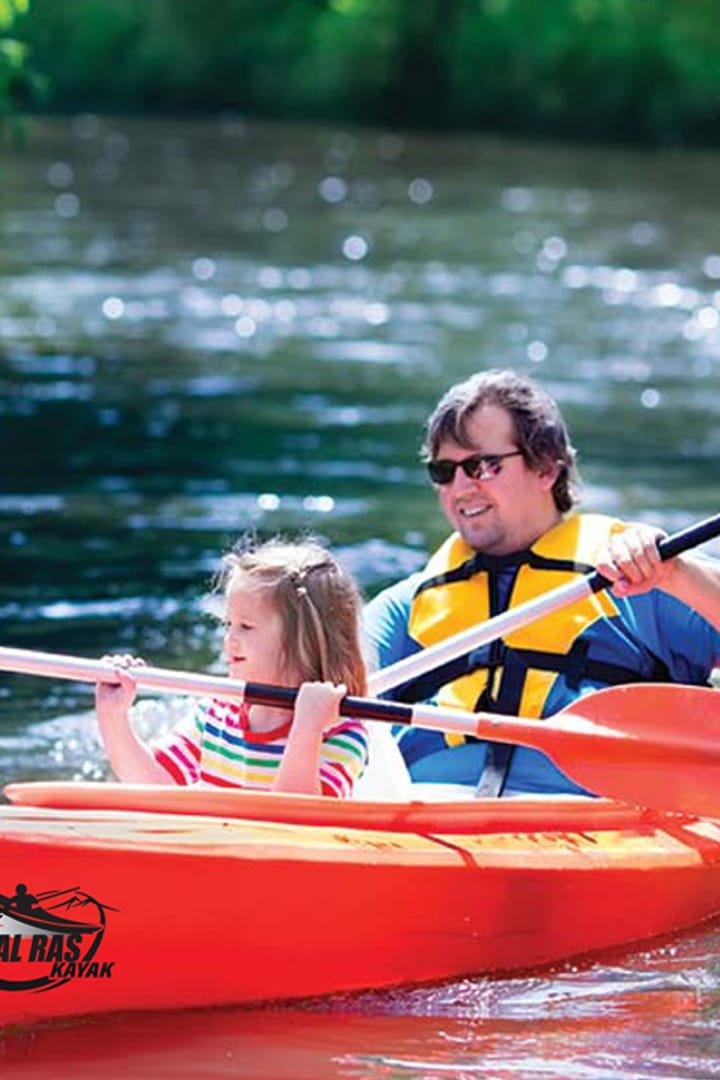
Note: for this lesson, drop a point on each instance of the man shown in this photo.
(498, 453)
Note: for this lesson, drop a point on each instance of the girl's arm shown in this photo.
(130, 759)
(317, 708)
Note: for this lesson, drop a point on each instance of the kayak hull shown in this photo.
(194, 909)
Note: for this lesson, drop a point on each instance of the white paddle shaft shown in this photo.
(56, 665)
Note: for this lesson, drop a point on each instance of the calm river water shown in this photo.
(212, 327)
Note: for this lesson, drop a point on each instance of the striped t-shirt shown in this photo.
(214, 746)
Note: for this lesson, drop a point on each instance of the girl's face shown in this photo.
(253, 644)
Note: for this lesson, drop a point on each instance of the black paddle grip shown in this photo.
(284, 697)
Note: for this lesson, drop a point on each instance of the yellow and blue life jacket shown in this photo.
(581, 643)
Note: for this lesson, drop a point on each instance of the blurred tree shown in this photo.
(235, 54)
(88, 50)
(14, 78)
(379, 60)
(643, 70)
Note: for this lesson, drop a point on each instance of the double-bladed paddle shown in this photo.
(648, 744)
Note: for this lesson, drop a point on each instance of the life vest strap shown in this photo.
(576, 666)
(493, 564)
(493, 777)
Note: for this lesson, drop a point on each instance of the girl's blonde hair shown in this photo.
(317, 600)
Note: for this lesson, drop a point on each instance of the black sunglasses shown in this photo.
(475, 467)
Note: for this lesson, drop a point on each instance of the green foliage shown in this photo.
(632, 69)
(97, 54)
(9, 9)
(13, 57)
(378, 60)
(639, 69)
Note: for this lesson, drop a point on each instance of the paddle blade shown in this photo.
(647, 744)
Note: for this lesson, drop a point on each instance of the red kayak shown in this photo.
(139, 897)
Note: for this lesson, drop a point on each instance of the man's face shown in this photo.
(509, 511)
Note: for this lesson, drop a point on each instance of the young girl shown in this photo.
(291, 618)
